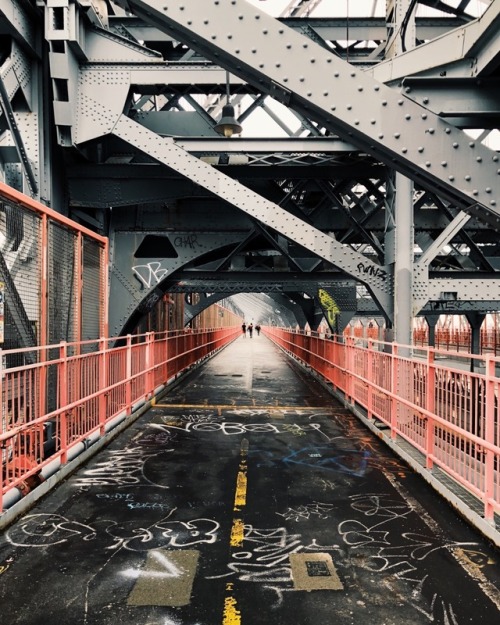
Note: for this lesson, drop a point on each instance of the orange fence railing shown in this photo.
(91, 386)
(445, 405)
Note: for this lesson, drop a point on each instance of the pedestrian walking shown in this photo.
(250, 330)
(244, 329)
(257, 329)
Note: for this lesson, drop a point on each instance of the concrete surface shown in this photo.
(248, 496)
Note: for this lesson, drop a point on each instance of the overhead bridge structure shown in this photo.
(170, 170)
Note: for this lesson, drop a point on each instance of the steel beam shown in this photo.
(165, 151)
(467, 51)
(309, 79)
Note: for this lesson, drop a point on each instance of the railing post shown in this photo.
(103, 384)
(394, 388)
(431, 407)
(4, 426)
(150, 365)
(489, 435)
(369, 374)
(128, 375)
(63, 400)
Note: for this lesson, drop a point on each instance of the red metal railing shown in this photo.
(434, 400)
(89, 387)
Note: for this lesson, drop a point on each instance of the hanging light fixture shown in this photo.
(228, 125)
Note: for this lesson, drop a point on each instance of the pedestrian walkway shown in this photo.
(246, 496)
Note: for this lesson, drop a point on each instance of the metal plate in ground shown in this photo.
(314, 571)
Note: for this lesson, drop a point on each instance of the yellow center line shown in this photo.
(231, 615)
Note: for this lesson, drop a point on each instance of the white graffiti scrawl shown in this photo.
(151, 274)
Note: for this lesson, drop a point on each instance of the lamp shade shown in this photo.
(228, 124)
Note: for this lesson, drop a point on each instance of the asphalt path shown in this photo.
(246, 496)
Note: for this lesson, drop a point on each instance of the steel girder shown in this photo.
(136, 281)
(376, 278)
(309, 79)
(468, 51)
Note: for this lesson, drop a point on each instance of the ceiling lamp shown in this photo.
(228, 125)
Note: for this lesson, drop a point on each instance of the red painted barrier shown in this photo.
(88, 386)
(443, 403)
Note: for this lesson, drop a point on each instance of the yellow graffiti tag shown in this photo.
(329, 305)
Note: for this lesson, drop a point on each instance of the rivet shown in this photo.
(376, 88)
(360, 88)
(455, 144)
(424, 115)
(301, 79)
(349, 107)
(475, 192)
(356, 122)
(488, 189)
(353, 74)
(309, 94)
(328, 60)
(427, 163)
(335, 74)
(313, 60)
(381, 136)
(451, 178)
(240, 17)
(420, 149)
(397, 135)
(408, 117)
(444, 163)
(425, 100)
(254, 50)
(447, 130)
(404, 150)
(468, 178)
(288, 46)
(492, 202)
(407, 89)
(304, 45)
(472, 144)
(373, 121)
(384, 102)
(333, 108)
(325, 93)
(280, 31)
(431, 131)
(400, 102)
(495, 158)
(479, 159)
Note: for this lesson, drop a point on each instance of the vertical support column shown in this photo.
(401, 32)
(431, 321)
(403, 268)
(475, 320)
(42, 380)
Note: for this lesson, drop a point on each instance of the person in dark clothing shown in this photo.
(257, 329)
(250, 330)
(244, 329)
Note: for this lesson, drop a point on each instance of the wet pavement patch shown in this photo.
(166, 578)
